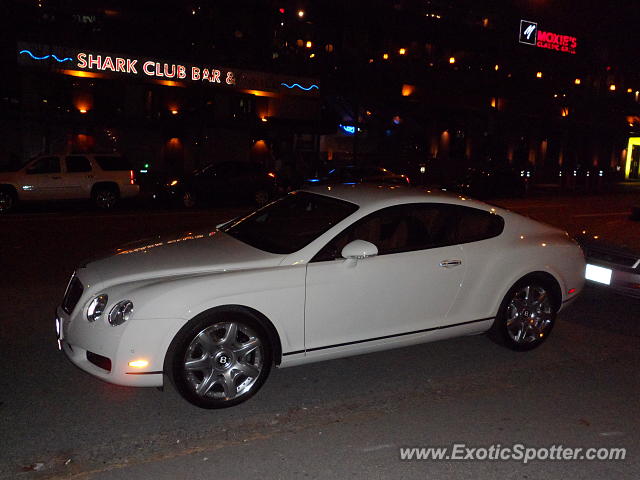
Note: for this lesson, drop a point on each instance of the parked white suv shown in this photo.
(102, 178)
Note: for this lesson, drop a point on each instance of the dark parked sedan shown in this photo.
(352, 174)
(224, 181)
(492, 181)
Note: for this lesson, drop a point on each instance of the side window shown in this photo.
(394, 229)
(472, 225)
(112, 163)
(45, 165)
(78, 163)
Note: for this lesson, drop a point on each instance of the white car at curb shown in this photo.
(319, 274)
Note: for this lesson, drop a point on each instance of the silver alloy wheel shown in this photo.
(6, 201)
(529, 314)
(224, 361)
(106, 198)
(187, 200)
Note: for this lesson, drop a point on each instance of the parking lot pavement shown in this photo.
(606, 216)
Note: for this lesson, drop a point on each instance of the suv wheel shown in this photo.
(105, 197)
(7, 200)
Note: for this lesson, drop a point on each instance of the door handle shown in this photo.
(450, 263)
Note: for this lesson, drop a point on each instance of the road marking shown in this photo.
(378, 447)
(534, 206)
(63, 216)
(613, 214)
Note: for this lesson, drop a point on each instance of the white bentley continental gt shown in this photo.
(319, 274)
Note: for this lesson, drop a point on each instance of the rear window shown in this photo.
(113, 162)
(472, 225)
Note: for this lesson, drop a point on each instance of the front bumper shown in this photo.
(613, 267)
(105, 352)
(622, 280)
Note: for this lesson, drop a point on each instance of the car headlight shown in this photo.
(120, 312)
(96, 307)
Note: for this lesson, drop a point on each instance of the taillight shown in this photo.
(407, 179)
(132, 177)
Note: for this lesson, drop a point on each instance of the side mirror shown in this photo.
(359, 249)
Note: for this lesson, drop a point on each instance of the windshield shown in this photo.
(290, 223)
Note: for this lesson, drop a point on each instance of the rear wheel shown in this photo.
(220, 360)
(105, 197)
(527, 315)
(8, 200)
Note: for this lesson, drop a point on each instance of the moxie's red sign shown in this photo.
(530, 35)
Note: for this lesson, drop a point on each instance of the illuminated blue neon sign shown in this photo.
(58, 59)
(348, 129)
(297, 85)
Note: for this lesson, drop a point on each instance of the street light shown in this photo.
(300, 13)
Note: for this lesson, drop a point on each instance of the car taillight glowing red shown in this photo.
(132, 177)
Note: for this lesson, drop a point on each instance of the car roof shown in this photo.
(377, 196)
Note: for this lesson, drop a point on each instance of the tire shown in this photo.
(187, 199)
(8, 200)
(220, 359)
(261, 198)
(526, 315)
(105, 198)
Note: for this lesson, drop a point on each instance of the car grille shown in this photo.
(72, 295)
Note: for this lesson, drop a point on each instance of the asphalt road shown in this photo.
(338, 419)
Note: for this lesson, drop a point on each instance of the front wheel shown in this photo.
(526, 316)
(8, 200)
(220, 360)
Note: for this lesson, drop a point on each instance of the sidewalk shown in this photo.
(556, 190)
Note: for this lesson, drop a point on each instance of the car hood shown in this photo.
(176, 255)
